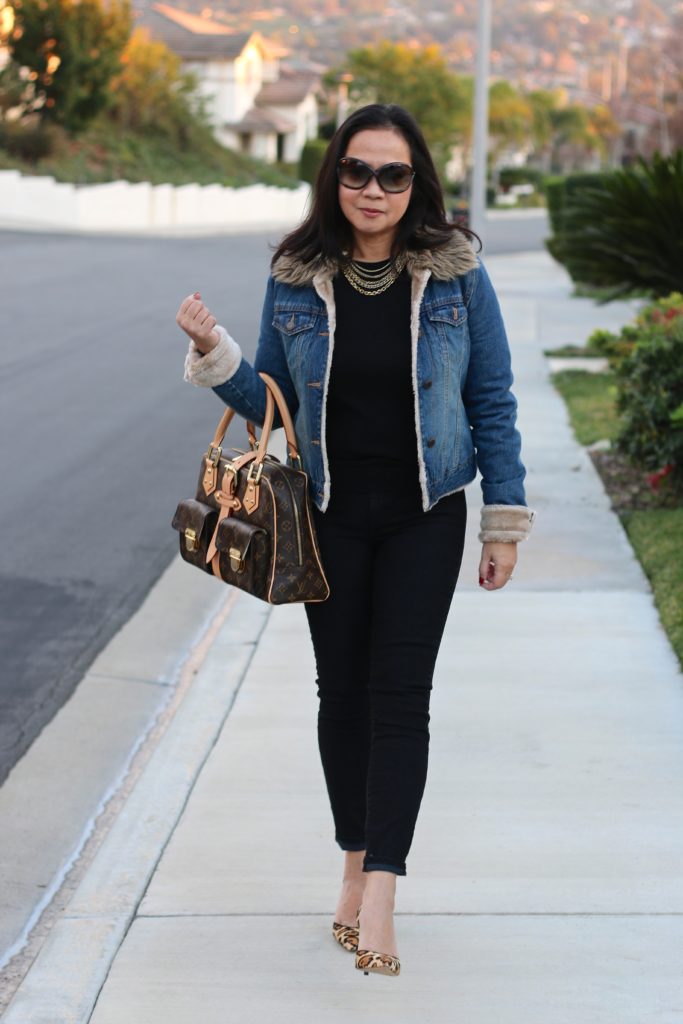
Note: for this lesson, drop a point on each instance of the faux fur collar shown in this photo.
(444, 262)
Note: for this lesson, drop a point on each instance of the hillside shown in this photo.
(591, 47)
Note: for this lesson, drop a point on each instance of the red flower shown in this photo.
(655, 479)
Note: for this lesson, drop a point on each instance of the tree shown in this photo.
(150, 93)
(72, 49)
(543, 103)
(510, 117)
(419, 80)
(15, 92)
(564, 134)
(603, 129)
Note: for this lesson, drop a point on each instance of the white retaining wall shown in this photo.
(42, 202)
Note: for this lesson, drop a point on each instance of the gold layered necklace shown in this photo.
(373, 281)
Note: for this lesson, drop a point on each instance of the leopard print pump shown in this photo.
(347, 934)
(368, 961)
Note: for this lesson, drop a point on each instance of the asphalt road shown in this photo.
(101, 437)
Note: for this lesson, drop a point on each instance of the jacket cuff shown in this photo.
(505, 523)
(216, 366)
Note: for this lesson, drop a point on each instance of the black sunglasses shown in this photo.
(395, 177)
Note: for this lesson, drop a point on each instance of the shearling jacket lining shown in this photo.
(499, 522)
(505, 523)
(216, 366)
(450, 260)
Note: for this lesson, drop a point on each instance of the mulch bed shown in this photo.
(629, 488)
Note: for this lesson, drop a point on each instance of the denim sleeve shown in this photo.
(245, 392)
(490, 404)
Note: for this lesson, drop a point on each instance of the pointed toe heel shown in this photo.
(370, 962)
(347, 934)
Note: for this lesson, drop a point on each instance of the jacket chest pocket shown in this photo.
(296, 328)
(447, 327)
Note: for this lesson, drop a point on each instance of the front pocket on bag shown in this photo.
(195, 522)
(244, 555)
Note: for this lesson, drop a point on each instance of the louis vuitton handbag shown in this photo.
(250, 523)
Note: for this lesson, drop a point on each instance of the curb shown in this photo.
(65, 979)
(185, 231)
(48, 817)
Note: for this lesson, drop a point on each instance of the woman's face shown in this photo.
(372, 212)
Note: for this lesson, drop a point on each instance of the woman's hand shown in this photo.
(196, 320)
(497, 562)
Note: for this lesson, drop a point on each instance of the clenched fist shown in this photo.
(196, 320)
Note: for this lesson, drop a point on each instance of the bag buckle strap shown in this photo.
(211, 459)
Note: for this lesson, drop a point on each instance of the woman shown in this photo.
(390, 431)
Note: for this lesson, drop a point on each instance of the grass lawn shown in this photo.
(590, 398)
(657, 539)
(656, 533)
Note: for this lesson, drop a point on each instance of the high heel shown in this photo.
(368, 960)
(347, 934)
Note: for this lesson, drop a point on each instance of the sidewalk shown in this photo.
(545, 883)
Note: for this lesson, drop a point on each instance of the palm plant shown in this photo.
(625, 232)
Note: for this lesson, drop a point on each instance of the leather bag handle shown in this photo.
(274, 397)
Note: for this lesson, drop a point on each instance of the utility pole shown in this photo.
(343, 97)
(477, 219)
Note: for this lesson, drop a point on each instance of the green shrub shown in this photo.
(602, 341)
(624, 231)
(614, 346)
(28, 142)
(577, 183)
(650, 395)
(508, 176)
(553, 186)
(560, 192)
(533, 201)
(106, 153)
(311, 158)
(661, 312)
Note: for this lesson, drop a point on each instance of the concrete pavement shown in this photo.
(545, 882)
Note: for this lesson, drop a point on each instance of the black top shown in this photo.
(370, 423)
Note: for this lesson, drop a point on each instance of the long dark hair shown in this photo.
(326, 231)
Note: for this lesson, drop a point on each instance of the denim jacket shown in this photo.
(465, 412)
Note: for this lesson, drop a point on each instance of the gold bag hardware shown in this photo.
(259, 525)
(236, 560)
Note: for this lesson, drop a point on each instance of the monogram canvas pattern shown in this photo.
(277, 539)
(250, 522)
(201, 518)
(255, 544)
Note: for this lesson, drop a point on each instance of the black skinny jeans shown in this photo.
(392, 569)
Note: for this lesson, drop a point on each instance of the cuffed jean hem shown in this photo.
(398, 869)
(350, 847)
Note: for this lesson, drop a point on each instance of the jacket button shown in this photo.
(431, 442)
(427, 384)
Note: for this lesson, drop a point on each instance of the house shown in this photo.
(254, 104)
(6, 26)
